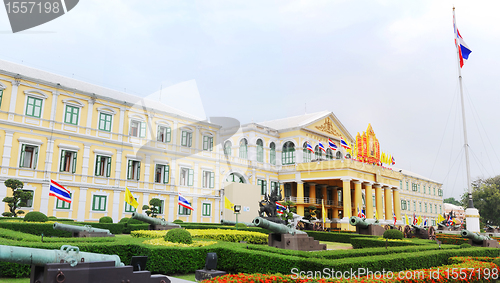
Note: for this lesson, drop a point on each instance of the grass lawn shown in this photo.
(14, 280)
(189, 277)
(336, 246)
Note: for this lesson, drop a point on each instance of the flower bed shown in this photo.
(214, 234)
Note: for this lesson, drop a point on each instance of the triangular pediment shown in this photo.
(330, 126)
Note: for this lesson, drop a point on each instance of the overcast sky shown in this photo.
(389, 63)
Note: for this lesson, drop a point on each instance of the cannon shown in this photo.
(233, 223)
(490, 229)
(83, 231)
(285, 237)
(70, 265)
(422, 232)
(155, 223)
(478, 240)
(367, 226)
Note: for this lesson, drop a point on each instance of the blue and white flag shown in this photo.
(59, 192)
(332, 145)
(322, 147)
(184, 202)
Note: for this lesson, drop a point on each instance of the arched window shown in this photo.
(339, 155)
(260, 151)
(288, 153)
(227, 148)
(329, 154)
(317, 152)
(233, 177)
(272, 154)
(306, 153)
(243, 149)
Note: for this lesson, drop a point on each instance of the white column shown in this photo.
(122, 120)
(7, 147)
(82, 199)
(196, 175)
(53, 110)
(171, 206)
(13, 100)
(116, 214)
(150, 129)
(145, 199)
(195, 212)
(44, 199)
(85, 163)
(197, 134)
(118, 169)
(48, 158)
(174, 136)
(217, 211)
(90, 111)
(173, 175)
(147, 166)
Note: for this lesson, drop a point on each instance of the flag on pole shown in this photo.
(309, 147)
(344, 144)
(376, 214)
(332, 145)
(407, 220)
(363, 213)
(419, 222)
(393, 161)
(323, 212)
(462, 48)
(359, 212)
(415, 221)
(59, 192)
(425, 222)
(322, 147)
(394, 215)
(280, 209)
(228, 204)
(440, 218)
(129, 198)
(184, 202)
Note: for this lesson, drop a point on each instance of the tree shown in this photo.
(485, 195)
(153, 208)
(452, 200)
(288, 216)
(18, 199)
(310, 212)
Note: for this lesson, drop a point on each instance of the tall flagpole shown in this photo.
(473, 214)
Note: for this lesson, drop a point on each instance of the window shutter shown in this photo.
(108, 169)
(138, 171)
(21, 158)
(143, 130)
(158, 133)
(103, 203)
(190, 177)
(129, 170)
(166, 174)
(212, 179)
(211, 148)
(74, 162)
(35, 157)
(63, 155)
(98, 165)
(167, 139)
(190, 136)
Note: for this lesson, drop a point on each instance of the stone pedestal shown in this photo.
(85, 234)
(203, 274)
(298, 242)
(374, 230)
(162, 227)
(472, 218)
(485, 244)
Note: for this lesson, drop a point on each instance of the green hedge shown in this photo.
(338, 237)
(361, 243)
(114, 228)
(133, 227)
(35, 229)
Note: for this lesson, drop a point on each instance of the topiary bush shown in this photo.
(178, 221)
(35, 216)
(393, 234)
(105, 219)
(179, 235)
(465, 245)
(124, 220)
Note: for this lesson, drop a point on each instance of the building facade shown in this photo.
(96, 142)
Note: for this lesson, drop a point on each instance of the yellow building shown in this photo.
(96, 142)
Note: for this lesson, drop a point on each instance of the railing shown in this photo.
(308, 200)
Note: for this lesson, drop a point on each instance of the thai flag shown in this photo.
(415, 220)
(393, 161)
(425, 222)
(280, 209)
(463, 49)
(59, 192)
(394, 215)
(450, 221)
(309, 147)
(363, 213)
(344, 144)
(184, 202)
(359, 213)
(332, 145)
(322, 147)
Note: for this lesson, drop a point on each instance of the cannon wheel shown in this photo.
(407, 231)
(432, 233)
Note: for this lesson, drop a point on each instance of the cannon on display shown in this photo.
(422, 232)
(83, 231)
(155, 223)
(285, 237)
(70, 265)
(367, 226)
(478, 240)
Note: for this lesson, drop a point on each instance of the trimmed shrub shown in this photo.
(35, 228)
(105, 219)
(240, 225)
(393, 234)
(497, 261)
(124, 220)
(35, 216)
(465, 245)
(361, 243)
(178, 221)
(179, 235)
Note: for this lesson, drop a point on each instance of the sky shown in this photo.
(392, 64)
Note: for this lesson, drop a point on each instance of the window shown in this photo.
(99, 203)
(403, 204)
(424, 189)
(163, 134)
(420, 206)
(433, 222)
(68, 161)
(272, 154)
(414, 187)
(133, 170)
(137, 129)
(162, 173)
(263, 186)
(401, 184)
(374, 201)
(440, 192)
(407, 187)
(434, 189)
(419, 188)
(440, 211)
(435, 208)
(306, 153)
(62, 204)
(184, 211)
(288, 153)
(275, 186)
(208, 143)
(243, 149)
(227, 148)
(329, 154)
(187, 177)
(208, 179)
(105, 122)
(425, 207)
(430, 207)
(1, 96)
(71, 116)
(339, 155)
(206, 209)
(317, 152)
(161, 207)
(129, 208)
(29, 156)
(187, 139)
(414, 206)
(103, 165)
(235, 178)
(260, 151)
(34, 107)
(29, 202)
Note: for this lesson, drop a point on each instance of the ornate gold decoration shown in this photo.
(328, 128)
(368, 146)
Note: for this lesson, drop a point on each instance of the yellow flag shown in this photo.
(376, 214)
(407, 220)
(440, 218)
(323, 212)
(228, 204)
(419, 220)
(129, 198)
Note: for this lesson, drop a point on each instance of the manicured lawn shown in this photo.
(189, 277)
(14, 280)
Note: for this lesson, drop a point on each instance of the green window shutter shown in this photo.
(138, 171)
(74, 161)
(21, 158)
(61, 166)
(129, 170)
(103, 203)
(98, 165)
(211, 145)
(191, 177)
(108, 169)
(190, 136)
(184, 138)
(168, 135)
(142, 133)
(166, 174)
(35, 157)
(212, 179)
(205, 143)
(1, 96)
(158, 132)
